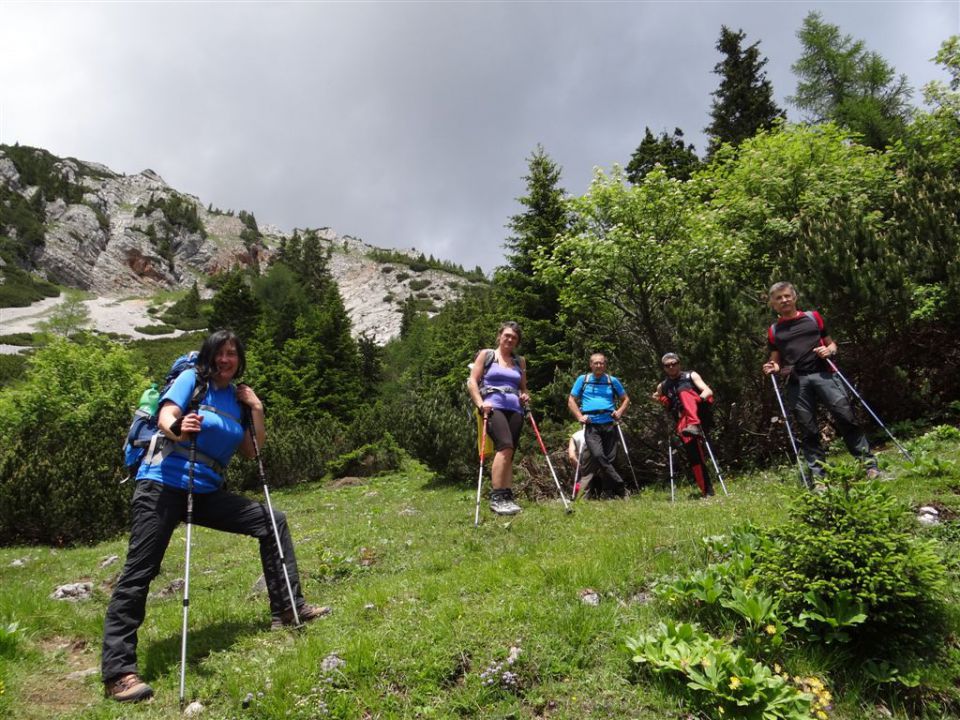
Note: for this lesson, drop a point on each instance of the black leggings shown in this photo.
(504, 427)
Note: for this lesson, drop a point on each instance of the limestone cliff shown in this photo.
(115, 234)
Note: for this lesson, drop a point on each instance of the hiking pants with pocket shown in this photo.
(804, 394)
(602, 442)
(156, 511)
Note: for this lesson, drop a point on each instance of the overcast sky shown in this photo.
(407, 124)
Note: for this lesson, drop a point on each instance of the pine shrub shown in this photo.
(853, 540)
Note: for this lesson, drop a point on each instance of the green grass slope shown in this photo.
(424, 606)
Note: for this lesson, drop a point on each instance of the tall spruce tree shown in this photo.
(677, 158)
(743, 104)
(839, 80)
(535, 232)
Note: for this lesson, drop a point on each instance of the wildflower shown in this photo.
(770, 630)
(720, 709)
(734, 682)
(821, 715)
(777, 669)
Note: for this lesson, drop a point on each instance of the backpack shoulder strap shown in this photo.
(815, 316)
(488, 359)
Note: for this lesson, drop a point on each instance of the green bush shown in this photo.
(853, 541)
(368, 460)
(61, 460)
(20, 289)
(12, 368)
(294, 452)
(160, 329)
(428, 427)
(401, 276)
(418, 284)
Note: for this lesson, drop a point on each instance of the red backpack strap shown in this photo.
(816, 318)
(772, 334)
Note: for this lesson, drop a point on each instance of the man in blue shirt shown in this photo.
(598, 401)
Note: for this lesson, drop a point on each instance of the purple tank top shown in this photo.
(499, 376)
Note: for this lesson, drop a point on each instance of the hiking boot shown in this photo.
(692, 430)
(306, 612)
(501, 502)
(127, 688)
(874, 473)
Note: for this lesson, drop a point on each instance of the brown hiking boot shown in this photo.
(127, 688)
(306, 613)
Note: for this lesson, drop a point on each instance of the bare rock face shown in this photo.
(120, 239)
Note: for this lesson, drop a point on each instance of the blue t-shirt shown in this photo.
(598, 396)
(221, 432)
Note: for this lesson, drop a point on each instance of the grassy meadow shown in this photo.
(423, 606)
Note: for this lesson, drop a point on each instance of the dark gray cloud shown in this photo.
(406, 124)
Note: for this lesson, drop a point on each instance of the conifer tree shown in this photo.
(677, 159)
(743, 104)
(839, 80)
(235, 306)
(535, 232)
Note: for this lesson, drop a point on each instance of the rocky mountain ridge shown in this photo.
(121, 235)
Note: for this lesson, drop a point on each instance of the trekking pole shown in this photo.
(627, 453)
(273, 521)
(786, 420)
(673, 497)
(483, 447)
(576, 475)
(868, 408)
(543, 447)
(186, 575)
(714, 461)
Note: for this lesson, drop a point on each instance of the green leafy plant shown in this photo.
(831, 616)
(720, 678)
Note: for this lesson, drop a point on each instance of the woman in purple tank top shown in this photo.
(498, 387)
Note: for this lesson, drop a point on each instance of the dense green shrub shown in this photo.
(12, 368)
(368, 460)
(295, 452)
(63, 427)
(160, 329)
(439, 434)
(19, 288)
(158, 355)
(853, 541)
(417, 284)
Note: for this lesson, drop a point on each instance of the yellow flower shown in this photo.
(734, 682)
(720, 709)
(776, 668)
(771, 630)
(821, 715)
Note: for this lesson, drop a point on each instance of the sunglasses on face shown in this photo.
(670, 364)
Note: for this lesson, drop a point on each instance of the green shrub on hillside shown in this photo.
(369, 460)
(854, 540)
(295, 452)
(63, 427)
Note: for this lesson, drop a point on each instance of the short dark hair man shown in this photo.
(686, 394)
(799, 346)
(598, 401)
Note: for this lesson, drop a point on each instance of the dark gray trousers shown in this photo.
(602, 442)
(804, 394)
(157, 510)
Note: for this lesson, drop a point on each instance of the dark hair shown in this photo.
(513, 326)
(211, 346)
